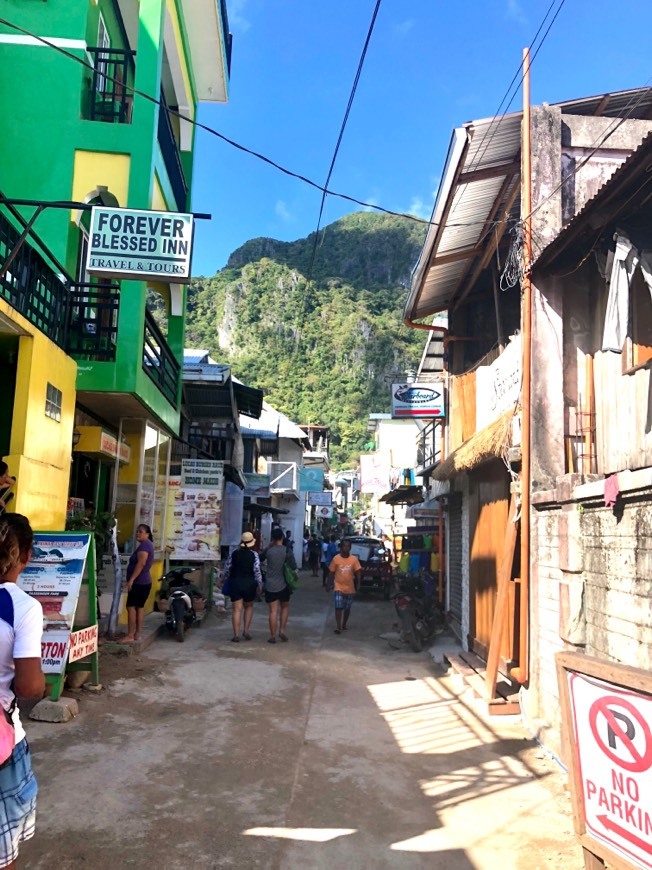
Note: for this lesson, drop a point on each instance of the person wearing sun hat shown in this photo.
(242, 570)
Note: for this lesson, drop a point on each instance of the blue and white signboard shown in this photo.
(418, 400)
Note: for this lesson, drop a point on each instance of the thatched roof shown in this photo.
(488, 443)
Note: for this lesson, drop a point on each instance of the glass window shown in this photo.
(53, 403)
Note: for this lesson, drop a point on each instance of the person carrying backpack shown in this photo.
(21, 627)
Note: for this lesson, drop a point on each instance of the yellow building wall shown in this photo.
(41, 448)
(93, 169)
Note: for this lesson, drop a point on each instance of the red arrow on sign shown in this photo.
(606, 822)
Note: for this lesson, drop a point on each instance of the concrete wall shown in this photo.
(591, 584)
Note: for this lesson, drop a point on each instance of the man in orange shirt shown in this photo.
(345, 573)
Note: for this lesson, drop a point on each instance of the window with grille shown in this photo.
(53, 403)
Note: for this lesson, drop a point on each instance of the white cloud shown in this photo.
(237, 18)
(516, 12)
(405, 26)
(282, 210)
(371, 201)
(419, 208)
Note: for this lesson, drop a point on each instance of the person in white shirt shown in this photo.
(21, 627)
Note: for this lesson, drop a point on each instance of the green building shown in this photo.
(85, 88)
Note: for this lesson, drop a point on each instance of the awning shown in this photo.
(248, 399)
(212, 401)
(403, 495)
(265, 509)
(234, 475)
(488, 443)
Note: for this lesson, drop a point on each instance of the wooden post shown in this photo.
(591, 861)
(521, 673)
(502, 601)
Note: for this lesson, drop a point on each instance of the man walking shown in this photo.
(345, 573)
(277, 592)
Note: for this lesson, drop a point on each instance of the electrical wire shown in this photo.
(354, 88)
(211, 131)
(496, 120)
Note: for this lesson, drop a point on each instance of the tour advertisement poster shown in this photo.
(195, 510)
(54, 577)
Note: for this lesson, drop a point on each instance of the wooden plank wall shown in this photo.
(462, 414)
(623, 409)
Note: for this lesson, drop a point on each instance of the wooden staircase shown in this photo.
(473, 670)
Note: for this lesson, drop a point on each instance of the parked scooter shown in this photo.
(417, 608)
(179, 599)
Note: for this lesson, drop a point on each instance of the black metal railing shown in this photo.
(171, 158)
(32, 287)
(159, 362)
(110, 98)
(93, 321)
(429, 445)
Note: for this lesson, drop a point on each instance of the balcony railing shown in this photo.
(171, 158)
(429, 445)
(110, 99)
(159, 362)
(93, 321)
(32, 287)
(283, 478)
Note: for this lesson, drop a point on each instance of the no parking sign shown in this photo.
(607, 711)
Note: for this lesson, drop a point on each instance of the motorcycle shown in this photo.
(179, 601)
(417, 608)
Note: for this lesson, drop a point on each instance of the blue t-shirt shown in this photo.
(331, 551)
(144, 578)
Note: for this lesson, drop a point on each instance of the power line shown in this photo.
(214, 132)
(496, 121)
(354, 88)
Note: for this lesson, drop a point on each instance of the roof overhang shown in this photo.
(207, 42)
(478, 199)
(403, 495)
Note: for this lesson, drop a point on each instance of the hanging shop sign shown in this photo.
(311, 479)
(140, 245)
(374, 472)
(418, 400)
(54, 577)
(324, 513)
(97, 442)
(607, 716)
(320, 499)
(194, 511)
(498, 386)
(257, 484)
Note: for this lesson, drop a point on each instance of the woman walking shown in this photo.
(242, 570)
(139, 583)
(277, 592)
(21, 627)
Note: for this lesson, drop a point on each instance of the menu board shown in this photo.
(54, 577)
(194, 514)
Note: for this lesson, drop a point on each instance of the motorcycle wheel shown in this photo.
(178, 609)
(410, 633)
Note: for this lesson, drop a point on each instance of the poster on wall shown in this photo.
(418, 400)
(54, 577)
(194, 514)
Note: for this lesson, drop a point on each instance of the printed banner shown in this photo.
(418, 400)
(374, 472)
(194, 516)
(311, 479)
(54, 577)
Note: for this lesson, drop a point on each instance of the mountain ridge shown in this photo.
(321, 351)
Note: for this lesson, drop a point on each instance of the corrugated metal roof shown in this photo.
(623, 176)
(480, 179)
(272, 424)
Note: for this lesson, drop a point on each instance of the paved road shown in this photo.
(325, 752)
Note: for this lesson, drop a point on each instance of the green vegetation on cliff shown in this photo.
(321, 354)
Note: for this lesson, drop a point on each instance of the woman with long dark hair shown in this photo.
(139, 583)
(21, 627)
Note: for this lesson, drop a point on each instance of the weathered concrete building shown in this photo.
(592, 499)
(471, 266)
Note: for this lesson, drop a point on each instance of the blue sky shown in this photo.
(431, 65)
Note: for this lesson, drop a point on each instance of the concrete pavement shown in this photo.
(325, 752)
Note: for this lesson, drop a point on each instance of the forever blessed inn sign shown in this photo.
(137, 244)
